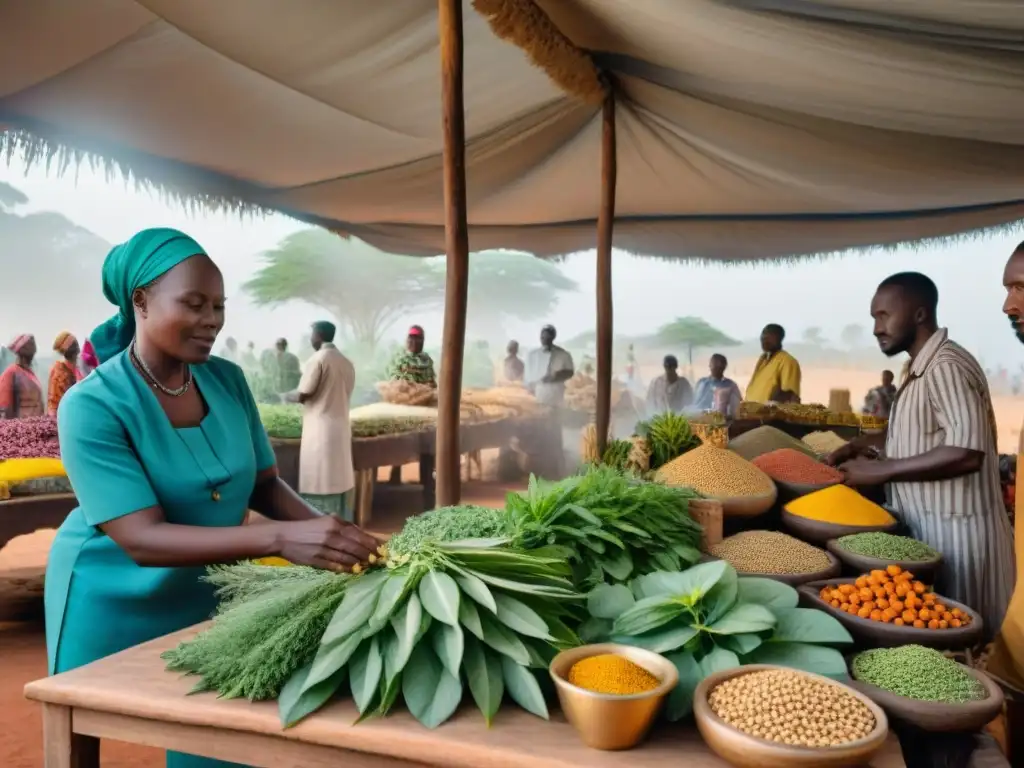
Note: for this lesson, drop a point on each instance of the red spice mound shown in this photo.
(791, 466)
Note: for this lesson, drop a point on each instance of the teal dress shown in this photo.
(122, 455)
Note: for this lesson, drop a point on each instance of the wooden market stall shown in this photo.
(129, 697)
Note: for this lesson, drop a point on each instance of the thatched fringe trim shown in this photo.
(526, 26)
(184, 187)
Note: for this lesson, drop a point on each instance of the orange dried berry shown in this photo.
(834, 603)
(933, 624)
(854, 599)
(943, 624)
(893, 570)
(861, 582)
(876, 615)
(940, 608)
(918, 624)
(924, 614)
(846, 589)
(880, 592)
(919, 587)
(955, 623)
(866, 594)
(878, 573)
(881, 603)
(909, 616)
(898, 622)
(888, 615)
(870, 605)
(897, 605)
(957, 612)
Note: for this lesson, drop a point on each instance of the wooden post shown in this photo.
(605, 222)
(449, 18)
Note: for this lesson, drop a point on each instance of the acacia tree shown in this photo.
(693, 333)
(365, 289)
(814, 337)
(852, 335)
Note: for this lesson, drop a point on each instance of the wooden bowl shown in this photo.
(924, 570)
(748, 506)
(818, 532)
(793, 579)
(883, 635)
(746, 751)
(790, 491)
(607, 721)
(935, 715)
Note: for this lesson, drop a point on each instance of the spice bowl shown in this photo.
(746, 751)
(607, 721)
(748, 506)
(884, 635)
(790, 491)
(819, 532)
(939, 716)
(796, 579)
(925, 570)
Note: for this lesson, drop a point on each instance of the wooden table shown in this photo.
(22, 515)
(129, 697)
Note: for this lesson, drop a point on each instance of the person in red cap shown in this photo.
(413, 364)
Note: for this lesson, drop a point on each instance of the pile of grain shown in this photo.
(717, 473)
(770, 552)
(823, 443)
(788, 466)
(766, 439)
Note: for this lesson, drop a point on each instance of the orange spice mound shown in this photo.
(791, 466)
(894, 596)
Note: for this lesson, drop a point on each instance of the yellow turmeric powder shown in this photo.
(841, 505)
(612, 674)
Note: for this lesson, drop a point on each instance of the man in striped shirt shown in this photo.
(940, 458)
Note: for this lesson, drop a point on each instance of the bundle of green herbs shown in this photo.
(706, 619)
(612, 525)
(462, 598)
(668, 436)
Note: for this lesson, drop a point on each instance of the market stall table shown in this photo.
(21, 515)
(129, 697)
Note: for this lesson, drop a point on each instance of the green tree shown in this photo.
(511, 285)
(814, 337)
(365, 289)
(692, 333)
(852, 335)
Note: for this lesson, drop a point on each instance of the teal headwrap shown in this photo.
(131, 265)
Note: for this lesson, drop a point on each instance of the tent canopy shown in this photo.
(747, 129)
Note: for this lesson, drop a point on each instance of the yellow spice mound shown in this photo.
(841, 505)
(716, 472)
(611, 674)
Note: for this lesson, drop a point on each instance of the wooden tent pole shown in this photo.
(449, 16)
(605, 222)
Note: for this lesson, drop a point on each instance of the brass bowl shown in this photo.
(745, 751)
(607, 721)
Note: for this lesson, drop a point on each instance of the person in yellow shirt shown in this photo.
(777, 373)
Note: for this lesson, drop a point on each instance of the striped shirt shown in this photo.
(944, 401)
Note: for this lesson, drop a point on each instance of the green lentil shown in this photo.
(885, 546)
(918, 673)
(770, 552)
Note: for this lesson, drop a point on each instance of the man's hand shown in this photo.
(866, 472)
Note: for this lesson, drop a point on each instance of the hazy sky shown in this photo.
(827, 293)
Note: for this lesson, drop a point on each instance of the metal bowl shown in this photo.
(745, 751)
(606, 721)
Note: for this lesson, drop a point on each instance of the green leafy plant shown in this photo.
(612, 526)
(668, 436)
(707, 619)
(281, 421)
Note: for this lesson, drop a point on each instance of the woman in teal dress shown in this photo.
(165, 451)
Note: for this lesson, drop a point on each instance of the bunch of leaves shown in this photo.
(471, 614)
(707, 619)
(616, 454)
(281, 421)
(377, 426)
(668, 436)
(268, 624)
(456, 523)
(611, 525)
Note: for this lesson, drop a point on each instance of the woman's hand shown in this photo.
(324, 542)
(841, 455)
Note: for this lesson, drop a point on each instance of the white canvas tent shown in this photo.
(746, 128)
